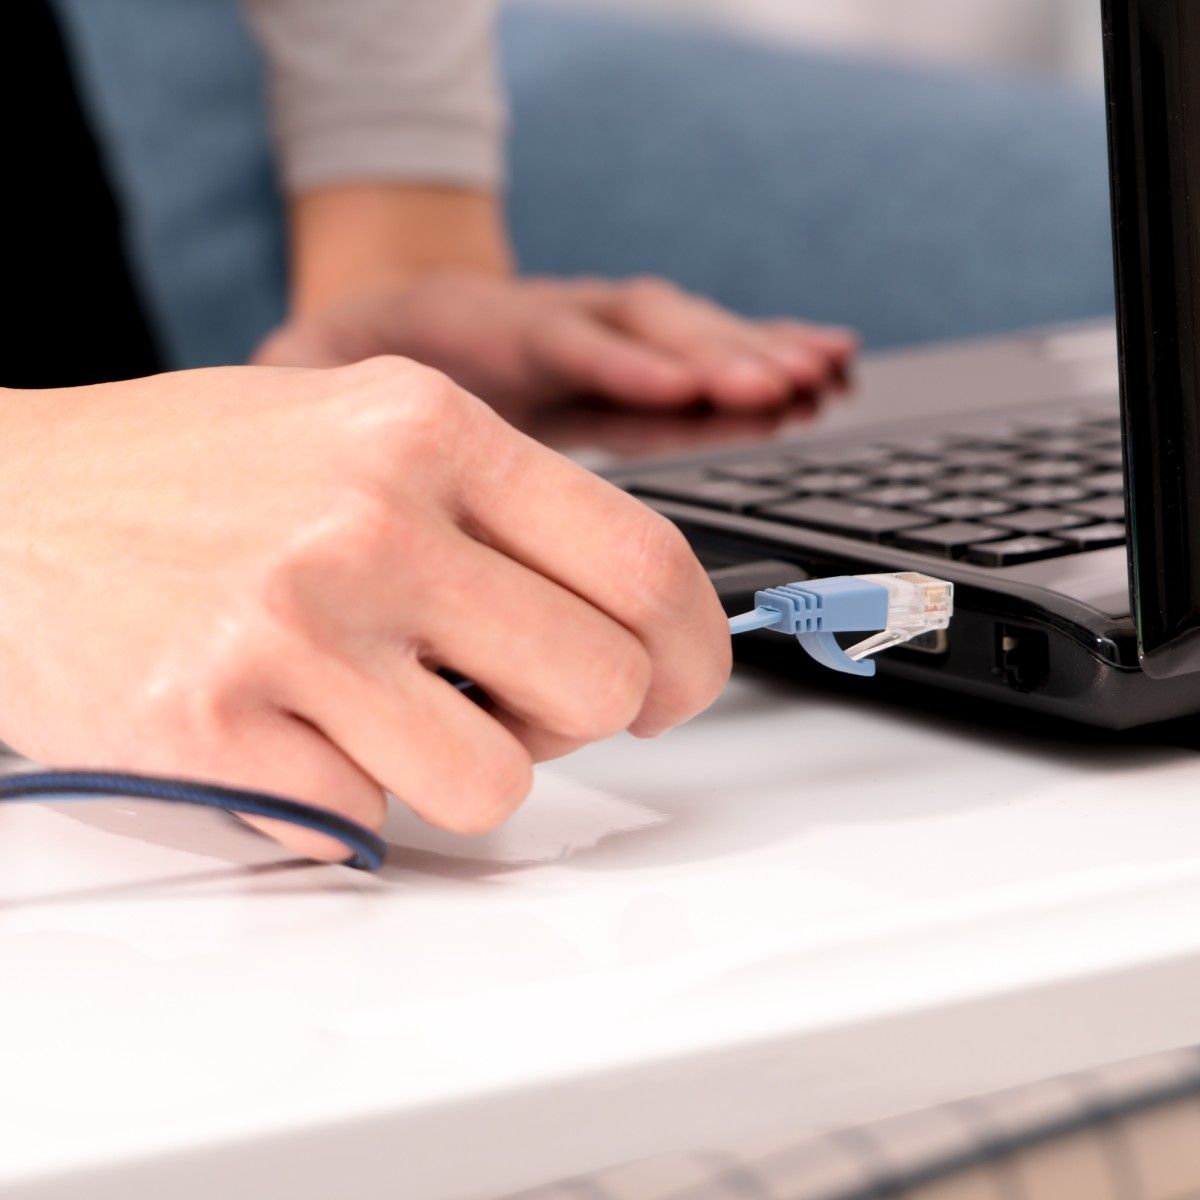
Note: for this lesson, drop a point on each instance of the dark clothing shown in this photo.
(73, 315)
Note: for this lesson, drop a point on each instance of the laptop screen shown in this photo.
(1152, 52)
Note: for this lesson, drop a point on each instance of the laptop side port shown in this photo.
(1022, 657)
(936, 643)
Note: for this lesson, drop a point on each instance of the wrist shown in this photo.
(353, 238)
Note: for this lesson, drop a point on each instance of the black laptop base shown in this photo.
(1035, 514)
(1001, 504)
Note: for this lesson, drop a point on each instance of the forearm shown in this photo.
(347, 238)
(389, 127)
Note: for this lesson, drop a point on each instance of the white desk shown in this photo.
(800, 909)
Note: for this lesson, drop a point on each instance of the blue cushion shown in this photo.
(911, 203)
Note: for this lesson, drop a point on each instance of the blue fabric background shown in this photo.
(910, 203)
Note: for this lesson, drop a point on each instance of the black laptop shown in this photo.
(1070, 530)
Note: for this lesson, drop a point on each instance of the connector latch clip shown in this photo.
(898, 607)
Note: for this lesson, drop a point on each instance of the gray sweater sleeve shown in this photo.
(365, 90)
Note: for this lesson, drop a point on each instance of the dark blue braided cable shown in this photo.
(367, 848)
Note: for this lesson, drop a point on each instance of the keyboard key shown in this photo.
(979, 481)
(695, 487)
(966, 508)
(992, 441)
(997, 432)
(904, 470)
(951, 538)
(1106, 508)
(1015, 550)
(1105, 481)
(1064, 445)
(829, 481)
(858, 520)
(1037, 494)
(1040, 520)
(822, 458)
(1094, 537)
(1049, 470)
(757, 470)
(922, 447)
(971, 457)
(897, 495)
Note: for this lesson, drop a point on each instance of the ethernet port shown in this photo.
(1022, 657)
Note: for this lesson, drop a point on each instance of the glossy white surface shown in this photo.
(798, 909)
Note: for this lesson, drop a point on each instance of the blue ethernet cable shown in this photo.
(896, 607)
(367, 849)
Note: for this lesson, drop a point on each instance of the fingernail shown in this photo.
(753, 373)
(801, 363)
(648, 732)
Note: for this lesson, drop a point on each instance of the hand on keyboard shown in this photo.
(643, 343)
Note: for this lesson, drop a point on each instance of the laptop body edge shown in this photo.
(1059, 609)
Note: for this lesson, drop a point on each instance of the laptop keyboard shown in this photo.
(997, 498)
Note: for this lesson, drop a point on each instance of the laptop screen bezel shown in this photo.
(1152, 77)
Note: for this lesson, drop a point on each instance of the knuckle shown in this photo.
(662, 568)
(202, 688)
(544, 287)
(382, 370)
(606, 691)
(701, 685)
(618, 691)
(404, 406)
(649, 288)
(357, 528)
(496, 792)
(585, 289)
(430, 399)
(646, 296)
(709, 669)
(361, 527)
(327, 570)
(378, 387)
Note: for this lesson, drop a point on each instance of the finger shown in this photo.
(570, 526)
(417, 735)
(836, 343)
(540, 744)
(536, 648)
(539, 509)
(738, 366)
(379, 574)
(581, 355)
(807, 366)
(306, 766)
(540, 651)
(267, 749)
